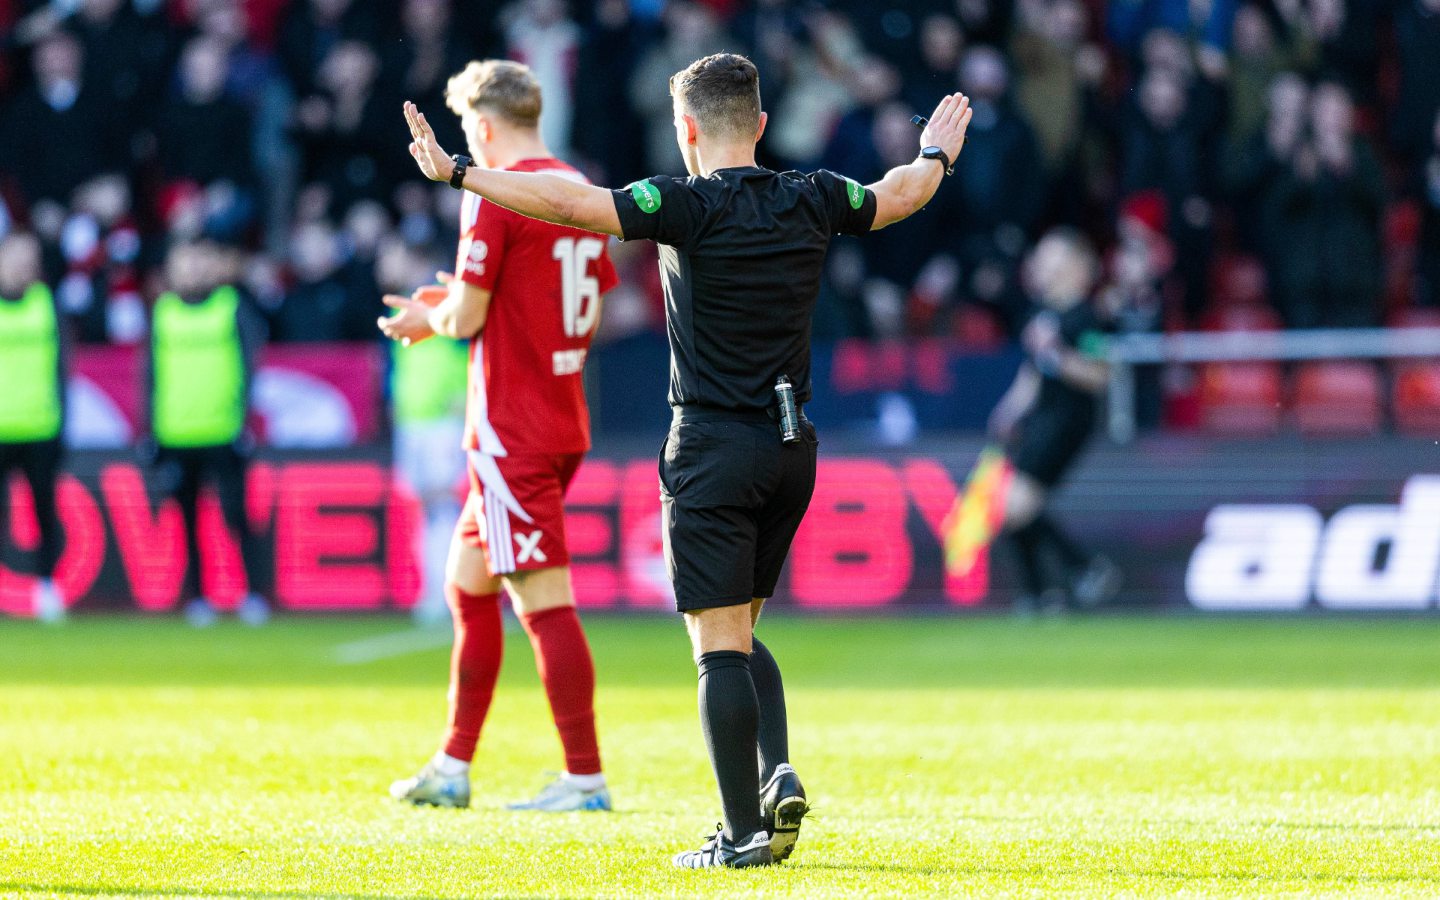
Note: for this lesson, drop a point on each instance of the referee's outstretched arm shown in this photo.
(900, 194)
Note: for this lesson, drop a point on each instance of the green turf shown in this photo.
(945, 757)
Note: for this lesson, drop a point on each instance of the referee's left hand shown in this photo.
(435, 164)
(947, 125)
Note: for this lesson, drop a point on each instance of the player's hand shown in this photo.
(410, 325)
(1001, 425)
(948, 122)
(1041, 336)
(435, 164)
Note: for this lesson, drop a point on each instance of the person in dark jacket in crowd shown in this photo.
(1324, 209)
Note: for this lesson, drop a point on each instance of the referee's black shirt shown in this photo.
(741, 255)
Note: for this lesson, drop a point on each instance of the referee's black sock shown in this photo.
(774, 733)
(730, 716)
(1032, 568)
(1065, 547)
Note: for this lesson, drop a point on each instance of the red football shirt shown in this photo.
(545, 282)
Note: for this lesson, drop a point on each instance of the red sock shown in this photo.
(474, 667)
(562, 656)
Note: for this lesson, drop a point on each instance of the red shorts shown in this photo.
(516, 510)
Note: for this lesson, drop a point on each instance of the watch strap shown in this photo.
(937, 154)
(457, 175)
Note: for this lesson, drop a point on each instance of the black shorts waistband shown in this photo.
(695, 412)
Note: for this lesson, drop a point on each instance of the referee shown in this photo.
(742, 250)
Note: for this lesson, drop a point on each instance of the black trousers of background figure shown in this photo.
(181, 472)
(38, 462)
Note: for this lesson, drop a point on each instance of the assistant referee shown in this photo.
(742, 249)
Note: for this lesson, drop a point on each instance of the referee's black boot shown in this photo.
(753, 851)
(782, 808)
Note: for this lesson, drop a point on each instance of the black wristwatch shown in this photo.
(457, 177)
(937, 154)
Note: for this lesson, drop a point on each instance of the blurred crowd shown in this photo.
(1280, 157)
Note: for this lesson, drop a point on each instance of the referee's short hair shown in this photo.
(507, 89)
(722, 92)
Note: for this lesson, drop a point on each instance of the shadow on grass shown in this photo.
(1021, 872)
(1378, 827)
(887, 868)
(180, 891)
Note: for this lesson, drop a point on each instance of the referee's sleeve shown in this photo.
(659, 208)
(849, 205)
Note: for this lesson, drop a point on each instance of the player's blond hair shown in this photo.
(499, 86)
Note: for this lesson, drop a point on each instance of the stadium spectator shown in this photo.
(1141, 289)
(852, 146)
(1335, 39)
(691, 31)
(606, 130)
(204, 135)
(1167, 148)
(1257, 61)
(312, 30)
(57, 127)
(101, 289)
(1417, 32)
(999, 193)
(1130, 22)
(902, 292)
(986, 21)
(32, 407)
(1323, 214)
(430, 48)
(126, 57)
(341, 127)
(818, 77)
(542, 36)
(1057, 75)
(320, 305)
(942, 43)
(1253, 162)
(771, 31)
(1428, 282)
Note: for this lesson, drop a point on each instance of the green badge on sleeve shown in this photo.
(1094, 344)
(646, 195)
(855, 193)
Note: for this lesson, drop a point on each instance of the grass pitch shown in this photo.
(945, 757)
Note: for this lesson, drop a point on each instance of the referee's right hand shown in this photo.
(947, 125)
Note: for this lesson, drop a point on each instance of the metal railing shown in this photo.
(1131, 350)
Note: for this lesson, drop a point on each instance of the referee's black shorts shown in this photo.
(1047, 442)
(732, 496)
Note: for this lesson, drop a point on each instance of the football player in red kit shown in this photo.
(527, 295)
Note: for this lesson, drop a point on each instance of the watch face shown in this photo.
(932, 151)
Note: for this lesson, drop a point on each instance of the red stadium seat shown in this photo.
(1242, 317)
(1402, 236)
(1333, 398)
(1415, 402)
(977, 329)
(1415, 317)
(1417, 397)
(1237, 280)
(1241, 398)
